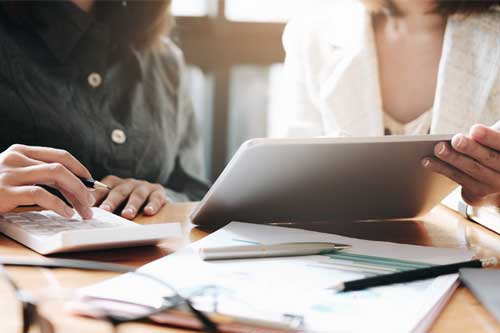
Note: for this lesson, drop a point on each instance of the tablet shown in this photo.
(325, 179)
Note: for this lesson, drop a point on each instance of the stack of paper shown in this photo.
(293, 290)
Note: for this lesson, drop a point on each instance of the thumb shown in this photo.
(472, 199)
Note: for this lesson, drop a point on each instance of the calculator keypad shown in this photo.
(50, 224)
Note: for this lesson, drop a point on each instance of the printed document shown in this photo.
(294, 289)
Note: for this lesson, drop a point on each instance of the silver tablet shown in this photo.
(325, 179)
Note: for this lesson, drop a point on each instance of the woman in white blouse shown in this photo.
(402, 67)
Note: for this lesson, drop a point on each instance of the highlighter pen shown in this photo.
(270, 250)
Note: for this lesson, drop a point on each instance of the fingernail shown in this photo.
(106, 207)
(459, 142)
(90, 199)
(69, 211)
(479, 132)
(149, 210)
(87, 214)
(129, 211)
(426, 162)
(441, 149)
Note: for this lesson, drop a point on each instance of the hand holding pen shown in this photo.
(23, 166)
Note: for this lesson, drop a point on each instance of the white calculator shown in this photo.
(47, 232)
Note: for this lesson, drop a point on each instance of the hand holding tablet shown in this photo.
(472, 161)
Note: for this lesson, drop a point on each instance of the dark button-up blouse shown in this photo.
(68, 84)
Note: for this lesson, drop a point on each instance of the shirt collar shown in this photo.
(61, 25)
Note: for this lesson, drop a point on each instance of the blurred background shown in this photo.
(235, 55)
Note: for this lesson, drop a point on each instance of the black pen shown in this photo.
(411, 275)
(90, 183)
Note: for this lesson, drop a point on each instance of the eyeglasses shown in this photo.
(32, 317)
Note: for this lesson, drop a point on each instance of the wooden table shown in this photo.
(441, 227)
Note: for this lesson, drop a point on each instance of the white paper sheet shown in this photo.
(282, 289)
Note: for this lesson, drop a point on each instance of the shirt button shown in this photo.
(118, 136)
(94, 80)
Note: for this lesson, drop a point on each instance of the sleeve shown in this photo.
(299, 114)
(187, 181)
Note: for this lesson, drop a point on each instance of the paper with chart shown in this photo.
(293, 289)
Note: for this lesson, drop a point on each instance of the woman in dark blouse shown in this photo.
(99, 80)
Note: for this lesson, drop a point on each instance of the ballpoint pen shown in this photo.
(270, 250)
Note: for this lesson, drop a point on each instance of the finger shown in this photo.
(486, 136)
(83, 210)
(467, 165)
(100, 194)
(116, 196)
(486, 156)
(14, 159)
(136, 200)
(112, 181)
(473, 186)
(29, 195)
(51, 155)
(156, 201)
(472, 199)
(53, 174)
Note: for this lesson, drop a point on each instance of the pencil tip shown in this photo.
(102, 185)
(336, 288)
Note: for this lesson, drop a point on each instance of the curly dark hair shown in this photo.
(449, 7)
(143, 26)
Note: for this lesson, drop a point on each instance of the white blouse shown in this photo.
(331, 85)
